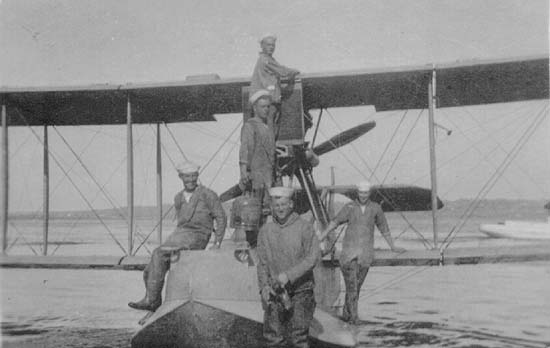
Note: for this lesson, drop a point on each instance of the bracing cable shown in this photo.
(494, 178)
(424, 241)
(74, 185)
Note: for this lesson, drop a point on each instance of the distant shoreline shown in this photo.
(151, 212)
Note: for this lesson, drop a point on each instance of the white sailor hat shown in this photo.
(266, 35)
(281, 191)
(364, 186)
(257, 95)
(187, 167)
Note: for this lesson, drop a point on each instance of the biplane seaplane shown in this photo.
(211, 297)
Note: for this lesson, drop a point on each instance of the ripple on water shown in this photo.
(16, 329)
(74, 337)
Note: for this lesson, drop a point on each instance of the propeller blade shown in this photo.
(343, 138)
(233, 192)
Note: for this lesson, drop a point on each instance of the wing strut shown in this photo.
(303, 173)
(433, 172)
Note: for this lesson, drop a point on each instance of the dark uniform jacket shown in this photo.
(358, 241)
(291, 248)
(199, 214)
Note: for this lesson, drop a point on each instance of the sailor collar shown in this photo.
(291, 219)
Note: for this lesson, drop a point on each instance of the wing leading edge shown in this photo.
(459, 84)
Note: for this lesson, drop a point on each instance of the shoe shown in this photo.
(145, 305)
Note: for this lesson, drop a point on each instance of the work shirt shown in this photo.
(267, 75)
(257, 152)
(358, 240)
(291, 248)
(199, 213)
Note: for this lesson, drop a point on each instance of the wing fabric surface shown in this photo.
(459, 84)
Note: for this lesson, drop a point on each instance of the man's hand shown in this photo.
(294, 73)
(266, 293)
(215, 246)
(282, 278)
(398, 249)
(245, 177)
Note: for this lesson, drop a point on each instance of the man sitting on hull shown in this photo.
(197, 208)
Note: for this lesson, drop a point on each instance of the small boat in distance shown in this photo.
(519, 229)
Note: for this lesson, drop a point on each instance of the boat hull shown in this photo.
(517, 230)
(194, 324)
(212, 300)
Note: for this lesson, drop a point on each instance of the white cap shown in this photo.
(187, 167)
(364, 186)
(257, 95)
(281, 191)
(266, 35)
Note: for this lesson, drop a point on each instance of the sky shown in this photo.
(58, 43)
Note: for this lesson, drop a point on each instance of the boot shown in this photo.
(153, 276)
(152, 299)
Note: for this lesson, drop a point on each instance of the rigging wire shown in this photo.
(416, 149)
(222, 145)
(110, 199)
(483, 139)
(426, 243)
(27, 243)
(74, 184)
(402, 146)
(12, 155)
(154, 229)
(174, 139)
(392, 282)
(388, 144)
(498, 172)
(494, 178)
(451, 160)
(73, 225)
(223, 164)
(490, 134)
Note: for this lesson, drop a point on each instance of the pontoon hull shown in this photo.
(197, 325)
(212, 300)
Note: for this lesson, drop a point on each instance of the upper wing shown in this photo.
(107, 104)
(470, 83)
(458, 84)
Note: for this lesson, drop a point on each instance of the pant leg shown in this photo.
(273, 329)
(188, 239)
(349, 271)
(302, 315)
(158, 266)
(160, 260)
(361, 276)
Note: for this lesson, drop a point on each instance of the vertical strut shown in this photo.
(433, 177)
(130, 176)
(317, 208)
(46, 193)
(4, 179)
(159, 184)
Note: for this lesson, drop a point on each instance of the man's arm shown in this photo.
(312, 254)
(382, 224)
(341, 217)
(245, 151)
(280, 70)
